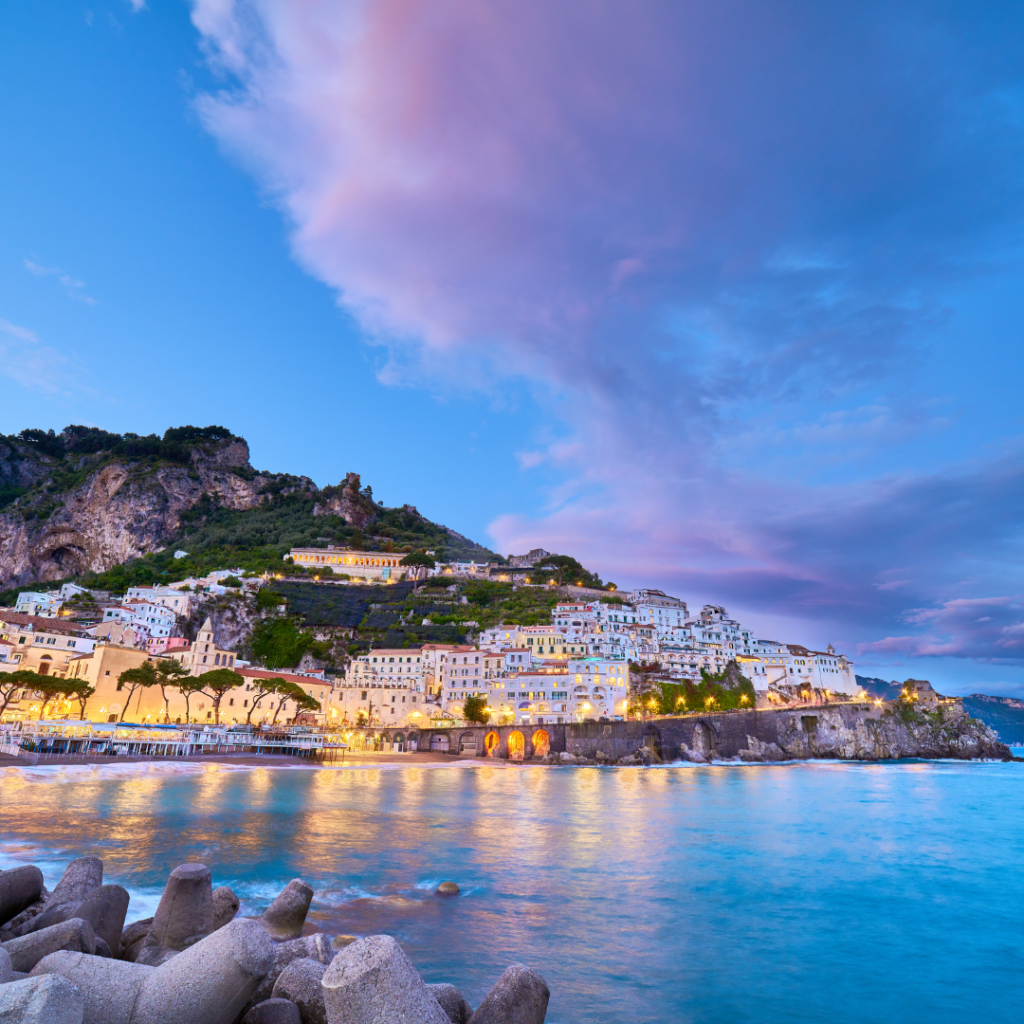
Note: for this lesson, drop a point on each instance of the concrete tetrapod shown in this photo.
(273, 1011)
(373, 982)
(452, 1002)
(6, 970)
(519, 996)
(133, 936)
(210, 982)
(46, 1000)
(19, 888)
(285, 917)
(313, 947)
(80, 877)
(184, 914)
(105, 908)
(108, 987)
(27, 950)
(300, 982)
(225, 906)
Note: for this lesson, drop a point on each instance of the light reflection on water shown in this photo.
(804, 893)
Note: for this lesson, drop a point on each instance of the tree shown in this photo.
(277, 643)
(287, 691)
(216, 683)
(82, 697)
(168, 672)
(262, 688)
(12, 683)
(188, 686)
(475, 709)
(49, 687)
(418, 558)
(140, 678)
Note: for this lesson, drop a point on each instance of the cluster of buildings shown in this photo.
(589, 662)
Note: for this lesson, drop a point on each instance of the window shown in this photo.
(363, 697)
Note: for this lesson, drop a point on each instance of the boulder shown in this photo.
(27, 950)
(133, 936)
(47, 1000)
(102, 949)
(447, 889)
(341, 941)
(105, 909)
(451, 1001)
(109, 988)
(225, 906)
(300, 982)
(184, 914)
(80, 877)
(372, 981)
(211, 981)
(6, 970)
(313, 947)
(520, 996)
(285, 917)
(19, 889)
(273, 1011)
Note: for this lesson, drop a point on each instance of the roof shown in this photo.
(39, 622)
(262, 673)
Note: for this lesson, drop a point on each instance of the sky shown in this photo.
(723, 299)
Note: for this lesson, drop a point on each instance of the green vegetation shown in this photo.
(278, 643)
(474, 709)
(720, 691)
(216, 683)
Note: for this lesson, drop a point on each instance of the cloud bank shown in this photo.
(718, 242)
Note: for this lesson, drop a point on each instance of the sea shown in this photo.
(802, 893)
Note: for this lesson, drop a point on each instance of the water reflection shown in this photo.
(699, 894)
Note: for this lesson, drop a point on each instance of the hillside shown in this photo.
(112, 510)
(1003, 714)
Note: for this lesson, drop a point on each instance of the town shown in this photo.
(86, 655)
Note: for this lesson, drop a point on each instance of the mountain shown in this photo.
(1003, 714)
(113, 509)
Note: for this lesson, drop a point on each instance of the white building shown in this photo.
(149, 620)
(169, 597)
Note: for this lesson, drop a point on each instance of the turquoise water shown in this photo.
(799, 893)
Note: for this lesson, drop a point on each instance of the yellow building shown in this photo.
(370, 565)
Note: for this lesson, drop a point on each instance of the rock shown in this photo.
(225, 906)
(341, 941)
(448, 889)
(566, 758)
(372, 982)
(34, 910)
(285, 917)
(273, 1011)
(19, 889)
(300, 982)
(108, 987)
(520, 996)
(27, 950)
(184, 914)
(6, 970)
(450, 1000)
(211, 981)
(80, 877)
(105, 909)
(102, 949)
(312, 947)
(46, 1000)
(132, 938)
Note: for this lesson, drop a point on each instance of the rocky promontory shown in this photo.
(67, 957)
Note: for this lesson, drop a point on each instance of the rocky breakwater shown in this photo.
(867, 732)
(67, 957)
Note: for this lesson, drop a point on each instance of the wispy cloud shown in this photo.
(718, 240)
(26, 360)
(73, 287)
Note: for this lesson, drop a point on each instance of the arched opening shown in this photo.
(541, 743)
(652, 741)
(467, 744)
(703, 739)
(439, 742)
(516, 746)
(44, 665)
(491, 742)
(398, 743)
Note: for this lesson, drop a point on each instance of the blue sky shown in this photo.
(722, 300)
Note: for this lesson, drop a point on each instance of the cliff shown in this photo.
(870, 733)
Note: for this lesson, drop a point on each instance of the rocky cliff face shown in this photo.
(852, 734)
(348, 501)
(120, 510)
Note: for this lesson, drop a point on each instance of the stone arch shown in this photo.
(439, 742)
(703, 741)
(45, 665)
(652, 741)
(541, 743)
(516, 746)
(491, 742)
(467, 744)
(398, 742)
